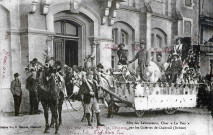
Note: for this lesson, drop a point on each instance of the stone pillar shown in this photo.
(94, 45)
(169, 8)
(148, 31)
(180, 27)
(105, 53)
(137, 3)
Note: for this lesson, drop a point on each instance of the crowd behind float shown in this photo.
(179, 70)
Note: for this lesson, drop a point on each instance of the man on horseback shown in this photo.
(90, 91)
(59, 75)
(143, 61)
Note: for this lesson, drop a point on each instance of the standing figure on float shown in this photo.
(122, 56)
(143, 62)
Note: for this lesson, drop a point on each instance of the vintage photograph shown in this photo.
(106, 67)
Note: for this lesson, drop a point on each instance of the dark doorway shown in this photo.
(71, 52)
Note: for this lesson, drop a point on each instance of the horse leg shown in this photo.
(46, 108)
(59, 110)
(110, 115)
(52, 120)
(54, 110)
(84, 115)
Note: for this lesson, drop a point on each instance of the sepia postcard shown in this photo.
(106, 67)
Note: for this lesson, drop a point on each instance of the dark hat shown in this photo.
(16, 75)
(142, 42)
(90, 73)
(100, 66)
(35, 59)
(121, 44)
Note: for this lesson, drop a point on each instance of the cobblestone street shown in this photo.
(184, 122)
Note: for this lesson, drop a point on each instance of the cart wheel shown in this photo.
(170, 111)
(139, 113)
(114, 109)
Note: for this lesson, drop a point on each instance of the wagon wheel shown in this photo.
(113, 109)
(170, 111)
(130, 77)
(139, 113)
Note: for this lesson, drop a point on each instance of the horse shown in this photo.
(51, 96)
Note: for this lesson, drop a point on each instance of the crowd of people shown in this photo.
(87, 80)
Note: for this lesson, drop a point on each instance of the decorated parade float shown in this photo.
(175, 86)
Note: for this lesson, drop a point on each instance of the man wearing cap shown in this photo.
(17, 93)
(175, 68)
(122, 55)
(30, 85)
(90, 91)
(143, 61)
(34, 67)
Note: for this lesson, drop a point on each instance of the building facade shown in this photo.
(69, 30)
(206, 33)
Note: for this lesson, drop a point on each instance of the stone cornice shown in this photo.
(14, 31)
(162, 16)
(130, 8)
(92, 38)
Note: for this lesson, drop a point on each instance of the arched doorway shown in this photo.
(66, 42)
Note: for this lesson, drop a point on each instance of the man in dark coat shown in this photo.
(34, 101)
(143, 61)
(17, 93)
(122, 55)
(175, 68)
(90, 91)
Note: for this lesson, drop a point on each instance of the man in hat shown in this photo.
(33, 67)
(178, 46)
(122, 54)
(90, 91)
(17, 93)
(59, 73)
(175, 68)
(143, 61)
(34, 102)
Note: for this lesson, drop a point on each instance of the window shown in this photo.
(153, 36)
(159, 41)
(57, 26)
(65, 28)
(124, 37)
(152, 55)
(188, 3)
(113, 61)
(187, 27)
(70, 29)
(114, 36)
